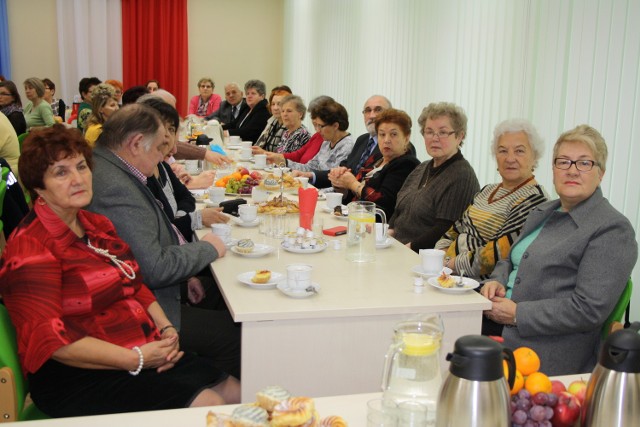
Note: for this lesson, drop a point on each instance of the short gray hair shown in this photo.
(519, 125)
(129, 120)
(297, 102)
(163, 94)
(588, 136)
(258, 85)
(37, 84)
(456, 115)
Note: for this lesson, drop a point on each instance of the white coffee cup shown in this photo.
(245, 153)
(234, 140)
(246, 144)
(381, 232)
(258, 195)
(304, 181)
(279, 171)
(432, 260)
(299, 276)
(216, 195)
(260, 161)
(333, 199)
(223, 231)
(248, 213)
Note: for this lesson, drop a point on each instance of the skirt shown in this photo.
(60, 390)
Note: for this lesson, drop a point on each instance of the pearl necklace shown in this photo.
(131, 274)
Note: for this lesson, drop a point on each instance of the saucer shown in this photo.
(273, 281)
(468, 284)
(420, 272)
(241, 223)
(385, 244)
(258, 251)
(298, 250)
(285, 289)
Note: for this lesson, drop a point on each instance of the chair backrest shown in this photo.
(21, 138)
(9, 359)
(619, 310)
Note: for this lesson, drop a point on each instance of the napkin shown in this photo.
(307, 199)
(217, 149)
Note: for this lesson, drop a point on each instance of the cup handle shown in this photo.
(382, 215)
(511, 362)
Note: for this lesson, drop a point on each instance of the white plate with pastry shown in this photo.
(283, 287)
(457, 286)
(258, 251)
(249, 278)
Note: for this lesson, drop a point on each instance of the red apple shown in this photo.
(243, 171)
(256, 175)
(578, 389)
(567, 410)
(557, 387)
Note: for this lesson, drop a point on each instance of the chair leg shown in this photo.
(8, 398)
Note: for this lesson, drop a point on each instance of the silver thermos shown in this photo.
(613, 391)
(476, 394)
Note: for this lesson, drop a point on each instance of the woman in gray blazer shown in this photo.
(569, 266)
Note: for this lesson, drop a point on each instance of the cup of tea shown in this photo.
(260, 161)
(299, 276)
(248, 212)
(381, 232)
(245, 153)
(258, 195)
(432, 260)
(234, 140)
(333, 199)
(216, 195)
(223, 231)
(304, 181)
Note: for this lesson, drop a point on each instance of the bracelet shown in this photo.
(162, 331)
(140, 361)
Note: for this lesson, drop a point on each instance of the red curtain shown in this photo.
(155, 46)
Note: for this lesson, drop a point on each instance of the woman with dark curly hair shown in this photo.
(92, 338)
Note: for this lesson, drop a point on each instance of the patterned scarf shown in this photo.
(11, 109)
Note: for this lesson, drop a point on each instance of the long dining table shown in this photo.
(335, 341)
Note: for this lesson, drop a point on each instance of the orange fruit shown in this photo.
(537, 382)
(236, 175)
(527, 361)
(519, 381)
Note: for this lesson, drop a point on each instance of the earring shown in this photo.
(41, 201)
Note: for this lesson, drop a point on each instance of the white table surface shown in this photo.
(353, 408)
(334, 342)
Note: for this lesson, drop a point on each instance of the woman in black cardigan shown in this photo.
(380, 180)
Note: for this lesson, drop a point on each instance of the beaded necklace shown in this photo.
(493, 193)
(129, 272)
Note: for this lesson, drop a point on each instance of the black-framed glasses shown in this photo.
(443, 134)
(376, 110)
(581, 165)
(319, 127)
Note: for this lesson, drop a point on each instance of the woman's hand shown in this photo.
(344, 180)
(213, 216)
(336, 172)
(257, 150)
(163, 354)
(217, 158)
(204, 180)
(493, 289)
(195, 290)
(503, 311)
(275, 158)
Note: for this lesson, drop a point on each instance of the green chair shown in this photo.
(3, 190)
(622, 308)
(21, 138)
(13, 386)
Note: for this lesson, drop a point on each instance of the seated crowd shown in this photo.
(107, 254)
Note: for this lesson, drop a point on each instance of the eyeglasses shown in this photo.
(5, 94)
(319, 127)
(443, 134)
(376, 110)
(206, 86)
(581, 165)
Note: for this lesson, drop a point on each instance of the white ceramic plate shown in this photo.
(258, 251)
(468, 283)
(245, 159)
(237, 195)
(285, 289)
(418, 270)
(273, 281)
(319, 248)
(231, 243)
(241, 223)
(384, 244)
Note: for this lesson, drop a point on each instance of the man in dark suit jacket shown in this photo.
(231, 108)
(366, 145)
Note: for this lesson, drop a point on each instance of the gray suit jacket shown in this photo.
(568, 282)
(140, 222)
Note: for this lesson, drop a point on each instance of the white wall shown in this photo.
(557, 63)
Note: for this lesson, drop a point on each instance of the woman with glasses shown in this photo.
(11, 106)
(438, 191)
(37, 112)
(207, 102)
(57, 105)
(484, 233)
(566, 272)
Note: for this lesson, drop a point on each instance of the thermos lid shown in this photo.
(621, 351)
(476, 358)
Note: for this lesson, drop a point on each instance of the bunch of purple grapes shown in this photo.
(532, 411)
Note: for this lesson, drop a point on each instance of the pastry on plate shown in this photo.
(261, 276)
(249, 415)
(446, 281)
(245, 246)
(295, 411)
(333, 421)
(270, 396)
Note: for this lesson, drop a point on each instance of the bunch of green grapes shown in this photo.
(233, 185)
